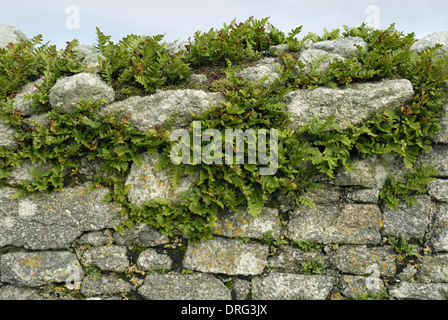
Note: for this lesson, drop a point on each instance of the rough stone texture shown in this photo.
(430, 40)
(434, 268)
(151, 260)
(175, 286)
(407, 221)
(347, 223)
(24, 105)
(39, 268)
(364, 195)
(324, 195)
(438, 189)
(345, 47)
(227, 256)
(88, 54)
(370, 172)
(436, 158)
(441, 136)
(142, 235)
(10, 293)
(355, 104)
(438, 234)
(10, 34)
(198, 78)
(149, 111)
(243, 224)
(107, 258)
(308, 56)
(353, 286)
(42, 221)
(241, 288)
(278, 49)
(69, 91)
(265, 68)
(97, 238)
(419, 291)
(147, 184)
(106, 284)
(23, 172)
(288, 259)
(286, 286)
(7, 139)
(361, 260)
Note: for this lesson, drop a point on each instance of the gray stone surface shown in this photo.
(370, 172)
(151, 260)
(147, 184)
(107, 258)
(438, 233)
(142, 235)
(362, 260)
(438, 189)
(441, 136)
(175, 286)
(198, 78)
(68, 91)
(437, 158)
(97, 238)
(430, 40)
(419, 291)
(10, 34)
(288, 259)
(10, 292)
(309, 56)
(354, 104)
(23, 104)
(287, 286)
(278, 49)
(35, 269)
(243, 224)
(264, 69)
(241, 288)
(23, 172)
(434, 268)
(364, 195)
(7, 139)
(228, 256)
(345, 47)
(149, 111)
(106, 284)
(408, 221)
(324, 195)
(346, 223)
(42, 221)
(353, 286)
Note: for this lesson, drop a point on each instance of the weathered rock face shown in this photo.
(344, 47)
(147, 184)
(347, 223)
(172, 286)
(354, 104)
(264, 69)
(226, 256)
(307, 56)
(7, 139)
(10, 34)
(44, 221)
(149, 111)
(284, 286)
(430, 40)
(67, 92)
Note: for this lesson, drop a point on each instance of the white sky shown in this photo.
(179, 19)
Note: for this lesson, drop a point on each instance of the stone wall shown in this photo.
(63, 245)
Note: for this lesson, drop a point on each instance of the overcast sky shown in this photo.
(63, 20)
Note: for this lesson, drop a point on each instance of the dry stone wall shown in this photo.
(63, 245)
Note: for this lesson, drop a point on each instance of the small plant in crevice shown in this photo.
(312, 266)
(402, 246)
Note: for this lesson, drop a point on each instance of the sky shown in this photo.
(59, 21)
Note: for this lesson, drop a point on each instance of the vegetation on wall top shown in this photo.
(138, 65)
